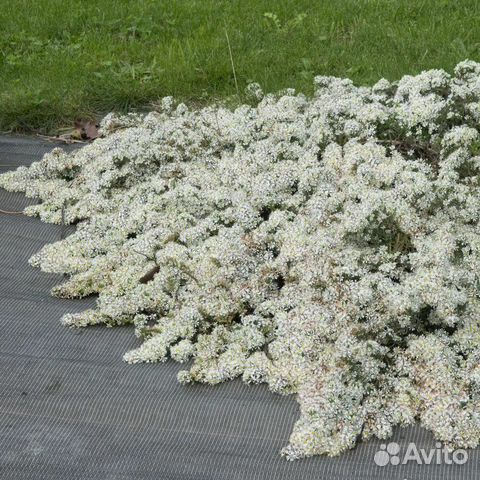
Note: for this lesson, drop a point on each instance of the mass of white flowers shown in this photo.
(325, 246)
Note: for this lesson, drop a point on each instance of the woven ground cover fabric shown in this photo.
(71, 408)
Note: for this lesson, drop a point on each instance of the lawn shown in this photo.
(67, 59)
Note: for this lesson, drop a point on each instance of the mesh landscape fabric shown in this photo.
(70, 408)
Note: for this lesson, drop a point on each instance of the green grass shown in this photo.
(67, 59)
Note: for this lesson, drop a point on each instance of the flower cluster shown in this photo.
(325, 246)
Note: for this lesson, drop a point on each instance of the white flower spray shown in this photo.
(325, 246)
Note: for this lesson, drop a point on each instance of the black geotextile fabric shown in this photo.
(71, 409)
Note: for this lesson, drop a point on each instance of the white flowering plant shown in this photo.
(326, 246)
